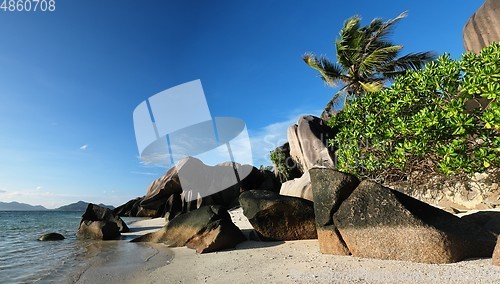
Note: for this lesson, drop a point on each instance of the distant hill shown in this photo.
(16, 206)
(80, 206)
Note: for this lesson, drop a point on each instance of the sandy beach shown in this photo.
(264, 262)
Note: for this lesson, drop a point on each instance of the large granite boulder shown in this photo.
(483, 27)
(496, 253)
(378, 222)
(298, 187)
(330, 188)
(51, 237)
(98, 213)
(206, 229)
(98, 230)
(213, 185)
(277, 217)
(308, 141)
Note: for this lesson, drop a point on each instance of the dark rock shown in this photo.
(97, 213)
(378, 222)
(51, 237)
(496, 253)
(488, 220)
(277, 217)
(308, 141)
(129, 209)
(483, 27)
(330, 188)
(98, 230)
(206, 229)
(218, 235)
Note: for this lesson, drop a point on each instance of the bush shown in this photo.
(444, 118)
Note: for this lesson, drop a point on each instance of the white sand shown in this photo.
(284, 262)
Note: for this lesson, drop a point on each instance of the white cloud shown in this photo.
(84, 147)
(269, 137)
(39, 187)
(3, 191)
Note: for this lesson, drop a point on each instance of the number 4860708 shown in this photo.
(28, 5)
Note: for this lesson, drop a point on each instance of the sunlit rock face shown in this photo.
(483, 27)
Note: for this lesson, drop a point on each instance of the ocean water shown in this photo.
(24, 259)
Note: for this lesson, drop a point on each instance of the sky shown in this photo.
(71, 79)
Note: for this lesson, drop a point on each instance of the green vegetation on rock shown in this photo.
(444, 118)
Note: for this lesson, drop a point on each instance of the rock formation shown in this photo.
(167, 197)
(206, 229)
(308, 141)
(330, 189)
(483, 27)
(276, 217)
(101, 224)
(378, 222)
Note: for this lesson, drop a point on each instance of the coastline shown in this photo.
(270, 262)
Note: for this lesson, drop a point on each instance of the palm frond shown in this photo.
(378, 58)
(329, 72)
(412, 61)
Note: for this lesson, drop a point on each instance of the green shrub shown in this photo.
(280, 163)
(422, 123)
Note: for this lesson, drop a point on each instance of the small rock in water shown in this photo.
(51, 237)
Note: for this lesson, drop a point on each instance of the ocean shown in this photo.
(24, 259)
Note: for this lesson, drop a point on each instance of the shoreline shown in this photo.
(279, 262)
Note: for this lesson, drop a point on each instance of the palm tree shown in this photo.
(366, 59)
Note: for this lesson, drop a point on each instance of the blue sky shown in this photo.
(70, 79)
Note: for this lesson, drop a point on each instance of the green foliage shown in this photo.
(280, 162)
(425, 121)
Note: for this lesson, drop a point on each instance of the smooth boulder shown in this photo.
(483, 27)
(51, 237)
(330, 188)
(98, 213)
(308, 140)
(298, 187)
(378, 222)
(206, 229)
(277, 217)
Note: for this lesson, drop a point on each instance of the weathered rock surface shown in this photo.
(51, 237)
(378, 222)
(298, 187)
(129, 209)
(308, 140)
(98, 213)
(219, 235)
(330, 188)
(483, 27)
(277, 217)
(214, 185)
(496, 253)
(98, 230)
(206, 229)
